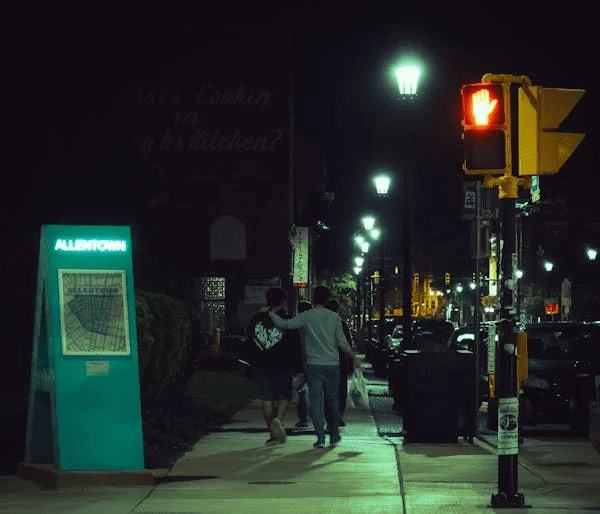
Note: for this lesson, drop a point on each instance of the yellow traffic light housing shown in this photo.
(542, 149)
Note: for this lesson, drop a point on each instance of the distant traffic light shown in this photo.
(447, 279)
(486, 128)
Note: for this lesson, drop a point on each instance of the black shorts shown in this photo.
(273, 385)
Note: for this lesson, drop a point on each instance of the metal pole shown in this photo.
(381, 297)
(406, 258)
(365, 281)
(506, 380)
(476, 343)
(370, 299)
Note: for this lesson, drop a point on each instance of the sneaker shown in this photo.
(334, 441)
(319, 445)
(278, 431)
(302, 424)
(272, 441)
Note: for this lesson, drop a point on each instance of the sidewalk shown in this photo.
(233, 471)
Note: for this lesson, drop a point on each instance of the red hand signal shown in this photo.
(482, 106)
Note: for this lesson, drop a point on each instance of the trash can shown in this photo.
(438, 394)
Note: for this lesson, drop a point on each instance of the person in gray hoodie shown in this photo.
(324, 337)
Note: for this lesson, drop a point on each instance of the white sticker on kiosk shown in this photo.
(96, 368)
(508, 426)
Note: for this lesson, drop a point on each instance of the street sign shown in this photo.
(535, 189)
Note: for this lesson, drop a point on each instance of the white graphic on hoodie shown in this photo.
(266, 338)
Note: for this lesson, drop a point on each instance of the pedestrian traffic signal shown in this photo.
(486, 128)
(542, 149)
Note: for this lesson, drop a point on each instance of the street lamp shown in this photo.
(364, 247)
(549, 266)
(382, 184)
(368, 223)
(459, 290)
(407, 77)
(591, 253)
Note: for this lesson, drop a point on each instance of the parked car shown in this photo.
(563, 359)
(427, 334)
(375, 353)
(394, 341)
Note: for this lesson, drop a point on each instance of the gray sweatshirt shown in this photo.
(323, 334)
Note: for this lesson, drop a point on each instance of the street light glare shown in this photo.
(408, 79)
(359, 261)
(382, 183)
(368, 222)
(376, 234)
(364, 247)
(592, 253)
(548, 265)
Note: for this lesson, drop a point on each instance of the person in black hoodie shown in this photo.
(275, 355)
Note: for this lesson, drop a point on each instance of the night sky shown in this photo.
(66, 70)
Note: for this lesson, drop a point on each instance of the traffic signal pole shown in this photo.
(506, 389)
(510, 133)
(508, 494)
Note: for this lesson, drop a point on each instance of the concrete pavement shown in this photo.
(233, 471)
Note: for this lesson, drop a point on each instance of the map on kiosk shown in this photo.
(93, 312)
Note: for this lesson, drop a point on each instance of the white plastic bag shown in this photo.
(299, 385)
(357, 392)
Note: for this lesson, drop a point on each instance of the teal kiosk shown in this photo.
(84, 417)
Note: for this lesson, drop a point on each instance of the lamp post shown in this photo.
(459, 290)
(364, 248)
(358, 261)
(520, 317)
(549, 266)
(356, 314)
(407, 76)
(382, 185)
